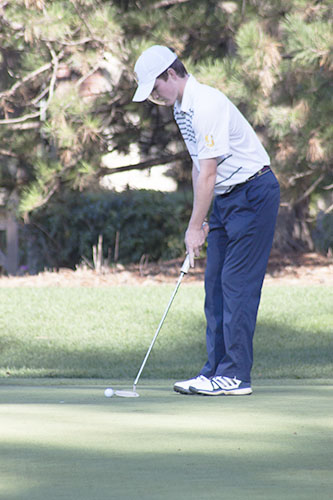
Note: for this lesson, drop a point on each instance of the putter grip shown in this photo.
(186, 265)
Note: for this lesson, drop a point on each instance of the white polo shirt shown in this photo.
(212, 127)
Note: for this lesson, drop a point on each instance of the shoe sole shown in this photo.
(181, 390)
(222, 392)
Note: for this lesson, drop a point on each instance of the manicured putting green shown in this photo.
(65, 440)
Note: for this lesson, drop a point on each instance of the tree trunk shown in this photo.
(292, 232)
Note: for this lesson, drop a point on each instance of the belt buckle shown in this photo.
(260, 172)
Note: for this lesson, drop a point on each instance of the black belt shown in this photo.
(260, 172)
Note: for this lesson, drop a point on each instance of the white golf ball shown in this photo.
(108, 393)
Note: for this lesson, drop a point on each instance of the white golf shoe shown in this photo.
(221, 386)
(184, 386)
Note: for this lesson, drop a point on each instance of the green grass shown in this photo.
(60, 438)
(105, 332)
(64, 440)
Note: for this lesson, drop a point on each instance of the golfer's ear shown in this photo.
(171, 72)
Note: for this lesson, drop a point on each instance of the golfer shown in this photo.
(231, 171)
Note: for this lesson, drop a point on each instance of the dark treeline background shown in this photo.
(66, 83)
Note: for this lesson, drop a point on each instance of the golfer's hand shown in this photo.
(194, 240)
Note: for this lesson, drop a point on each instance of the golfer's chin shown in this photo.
(163, 102)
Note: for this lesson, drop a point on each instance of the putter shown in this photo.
(133, 394)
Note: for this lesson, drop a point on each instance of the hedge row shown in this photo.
(149, 223)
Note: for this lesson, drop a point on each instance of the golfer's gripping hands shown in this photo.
(194, 240)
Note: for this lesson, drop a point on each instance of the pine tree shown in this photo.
(273, 58)
(61, 68)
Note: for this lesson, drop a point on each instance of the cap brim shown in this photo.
(143, 91)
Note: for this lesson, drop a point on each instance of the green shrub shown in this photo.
(149, 223)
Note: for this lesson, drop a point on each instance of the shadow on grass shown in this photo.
(36, 473)
(166, 447)
(279, 352)
(291, 353)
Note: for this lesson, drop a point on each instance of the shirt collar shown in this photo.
(186, 101)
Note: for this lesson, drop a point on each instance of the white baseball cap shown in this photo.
(151, 64)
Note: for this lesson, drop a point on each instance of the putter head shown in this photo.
(127, 394)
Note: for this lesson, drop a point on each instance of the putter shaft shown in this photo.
(184, 270)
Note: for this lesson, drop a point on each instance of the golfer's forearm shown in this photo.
(203, 189)
(201, 204)
(195, 173)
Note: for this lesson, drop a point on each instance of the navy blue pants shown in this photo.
(241, 233)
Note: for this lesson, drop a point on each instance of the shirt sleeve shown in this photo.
(211, 126)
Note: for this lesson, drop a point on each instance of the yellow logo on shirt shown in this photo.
(209, 139)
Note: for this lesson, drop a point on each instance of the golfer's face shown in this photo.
(164, 93)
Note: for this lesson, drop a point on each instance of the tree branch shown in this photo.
(168, 3)
(12, 90)
(4, 152)
(39, 97)
(55, 63)
(50, 190)
(310, 189)
(82, 17)
(27, 78)
(25, 126)
(44, 200)
(20, 119)
(85, 77)
(300, 175)
(69, 43)
(329, 209)
(153, 162)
